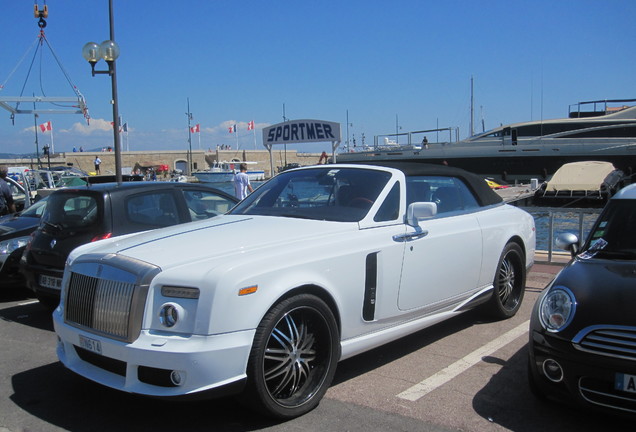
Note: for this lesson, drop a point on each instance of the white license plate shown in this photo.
(50, 282)
(90, 344)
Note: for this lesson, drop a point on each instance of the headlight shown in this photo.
(557, 309)
(8, 246)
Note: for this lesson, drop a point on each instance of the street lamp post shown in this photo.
(190, 161)
(109, 51)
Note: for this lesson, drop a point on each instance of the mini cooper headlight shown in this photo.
(557, 309)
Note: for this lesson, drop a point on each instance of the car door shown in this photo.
(442, 257)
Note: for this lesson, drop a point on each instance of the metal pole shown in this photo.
(189, 114)
(37, 147)
(113, 78)
(550, 235)
(347, 131)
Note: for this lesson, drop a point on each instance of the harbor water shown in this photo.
(578, 221)
(552, 221)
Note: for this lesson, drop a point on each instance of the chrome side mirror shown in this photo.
(418, 211)
(568, 242)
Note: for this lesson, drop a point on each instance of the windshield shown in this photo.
(329, 193)
(614, 234)
(36, 209)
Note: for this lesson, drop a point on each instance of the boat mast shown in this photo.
(472, 127)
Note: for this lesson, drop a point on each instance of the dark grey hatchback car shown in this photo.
(76, 216)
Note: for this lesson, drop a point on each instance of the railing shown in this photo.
(551, 221)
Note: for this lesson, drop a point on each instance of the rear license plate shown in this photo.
(90, 344)
(50, 282)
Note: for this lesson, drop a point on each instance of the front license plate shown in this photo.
(50, 282)
(90, 344)
(625, 382)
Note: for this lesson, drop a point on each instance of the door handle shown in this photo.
(410, 236)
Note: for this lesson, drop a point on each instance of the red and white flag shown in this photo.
(250, 125)
(46, 126)
(120, 127)
(195, 129)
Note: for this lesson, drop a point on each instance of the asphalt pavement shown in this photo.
(463, 374)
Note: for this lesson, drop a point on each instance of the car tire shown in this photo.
(293, 358)
(509, 283)
(48, 302)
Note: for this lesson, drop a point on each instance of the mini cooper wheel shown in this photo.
(509, 283)
(293, 358)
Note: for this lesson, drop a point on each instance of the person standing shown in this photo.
(242, 182)
(98, 162)
(7, 205)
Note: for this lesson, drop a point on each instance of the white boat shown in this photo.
(593, 131)
(222, 172)
(581, 181)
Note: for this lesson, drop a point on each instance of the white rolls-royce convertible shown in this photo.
(317, 265)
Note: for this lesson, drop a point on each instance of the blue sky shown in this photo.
(379, 60)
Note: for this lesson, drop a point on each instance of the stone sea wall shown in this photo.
(173, 159)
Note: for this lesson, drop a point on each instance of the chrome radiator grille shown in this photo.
(104, 306)
(613, 342)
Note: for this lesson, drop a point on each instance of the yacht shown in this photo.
(222, 172)
(603, 130)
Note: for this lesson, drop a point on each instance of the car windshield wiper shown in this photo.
(54, 225)
(296, 215)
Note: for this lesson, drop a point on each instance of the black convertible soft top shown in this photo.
(485, 195)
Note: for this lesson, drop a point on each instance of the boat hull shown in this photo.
(535, 158)
(223, 177)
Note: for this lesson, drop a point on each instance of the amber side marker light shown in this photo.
(248, 290)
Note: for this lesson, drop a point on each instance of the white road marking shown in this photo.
(445, 375)
(27, 302)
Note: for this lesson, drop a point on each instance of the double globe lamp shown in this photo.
(107, 50)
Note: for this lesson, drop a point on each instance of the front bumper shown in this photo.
(588, 379)
(9, 270)
(32, 274)
(214, 364)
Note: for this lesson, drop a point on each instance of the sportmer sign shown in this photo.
(302, 131)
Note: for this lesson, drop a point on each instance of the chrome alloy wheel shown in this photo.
(295, 360)
(294, 356)
(507, 283)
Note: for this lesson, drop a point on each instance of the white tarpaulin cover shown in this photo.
(580, 176)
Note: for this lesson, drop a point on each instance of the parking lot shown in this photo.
(463, 374)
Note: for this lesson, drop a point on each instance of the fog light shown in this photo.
(168, 315)
(553, 370)
(176, 378)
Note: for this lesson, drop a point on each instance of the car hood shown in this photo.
(605, 290)
(223, 236)
(16, 226)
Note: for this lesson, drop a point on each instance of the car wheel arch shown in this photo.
(519, 241)
(315, 290)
